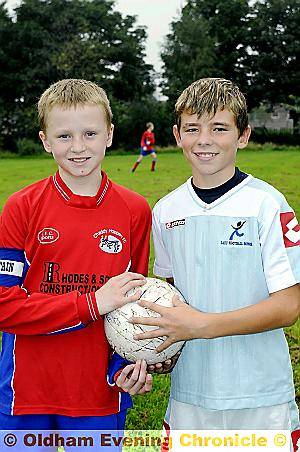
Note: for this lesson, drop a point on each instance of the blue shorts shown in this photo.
(145, 153)
(112, 424)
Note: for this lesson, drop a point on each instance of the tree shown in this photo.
(256, 44)
(187, 53)
(8, 74)
(207, 40)
(55, 39)
(272, 61)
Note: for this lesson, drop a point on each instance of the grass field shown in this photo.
(279, 168)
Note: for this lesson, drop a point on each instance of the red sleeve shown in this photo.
(143, 139)
(42, 314)
(152, 138)
(36, 313)
(140, 238)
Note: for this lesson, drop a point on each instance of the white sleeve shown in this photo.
(162, 264)
(281, 256)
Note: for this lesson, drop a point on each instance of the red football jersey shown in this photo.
(56, 250)
(147, 140)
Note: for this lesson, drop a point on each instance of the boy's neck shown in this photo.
(213, 180)
(82, 186)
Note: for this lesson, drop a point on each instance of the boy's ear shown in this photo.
(244, 138)
(110, 135)
(45, 142)
(177, 135)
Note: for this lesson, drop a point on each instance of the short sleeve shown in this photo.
(279, 233)
(162, 264)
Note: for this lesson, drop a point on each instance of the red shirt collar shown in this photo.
(74, 200)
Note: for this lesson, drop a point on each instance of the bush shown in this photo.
(26, 146)
(263, 135)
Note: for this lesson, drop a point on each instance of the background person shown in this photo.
(147, 142)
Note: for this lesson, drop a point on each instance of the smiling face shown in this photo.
(210, 145)
(77, 138)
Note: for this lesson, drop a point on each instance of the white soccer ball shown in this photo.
(120, 332)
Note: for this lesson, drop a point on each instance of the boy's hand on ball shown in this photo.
(176, 323)
(135, 379)
(112, 295)
(165, 367)
(121, 331)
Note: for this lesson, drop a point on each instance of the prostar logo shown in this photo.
(48, 235)
(290, 229)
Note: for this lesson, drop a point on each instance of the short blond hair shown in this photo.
(207, 95)
(72, 93)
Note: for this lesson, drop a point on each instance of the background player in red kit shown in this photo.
(147, 142)
(71, 246)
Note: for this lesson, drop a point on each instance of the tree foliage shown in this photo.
(256, 44)
(272, 61)
(206, 40)
(53, 39)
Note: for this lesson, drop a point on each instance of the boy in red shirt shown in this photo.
(147, 142)
(71, 246)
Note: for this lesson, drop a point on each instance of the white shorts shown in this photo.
(183, 416)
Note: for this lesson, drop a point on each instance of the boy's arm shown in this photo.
(24, 313)
(281, 258)
(182, 322)
(37, 313)
(143, 140)
(152, 138)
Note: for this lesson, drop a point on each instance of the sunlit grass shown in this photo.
(279, 168)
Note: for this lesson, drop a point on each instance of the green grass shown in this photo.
(277, 166)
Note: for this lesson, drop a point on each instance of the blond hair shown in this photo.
(207, 95)
(72, 93)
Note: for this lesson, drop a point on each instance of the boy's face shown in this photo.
(210, 145)
(77, 138)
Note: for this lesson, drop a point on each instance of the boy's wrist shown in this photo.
(87, 308)
(207, 326)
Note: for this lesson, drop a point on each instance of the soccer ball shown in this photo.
(120, 332)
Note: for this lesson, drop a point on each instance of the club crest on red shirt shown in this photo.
(111, 241)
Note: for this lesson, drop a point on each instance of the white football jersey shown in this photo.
(224, 256)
